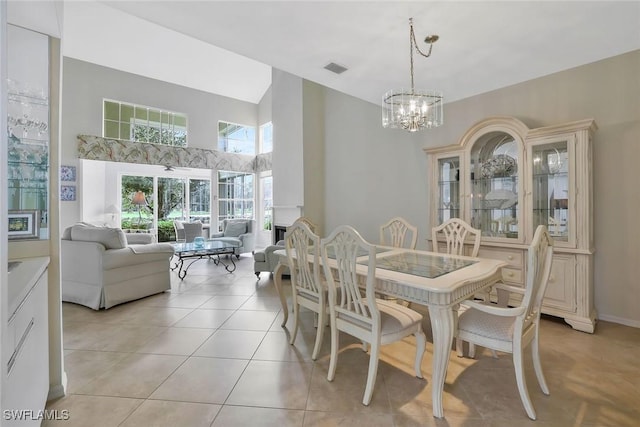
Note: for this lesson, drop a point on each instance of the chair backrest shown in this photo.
(248, 222)
(192, 230)
(355, 313)
(394, 233)
(179, 229)
(312, 226)
(305, 275)
(539, 257)
(456, 232)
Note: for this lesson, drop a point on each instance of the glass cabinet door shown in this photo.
(27, 133)
(494, 185)
(448, 188)
(550, 192)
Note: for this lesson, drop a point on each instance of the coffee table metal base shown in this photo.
(188, 253)
(182, 269)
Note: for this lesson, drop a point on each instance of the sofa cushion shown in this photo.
(235, 228)
(139, 238)
(111, 238)
(119, 258)
(234, 241)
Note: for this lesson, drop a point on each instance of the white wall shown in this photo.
(264, 108)
(373, 174)
(91, 184)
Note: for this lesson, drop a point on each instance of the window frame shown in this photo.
(174, 129)
(225, 147)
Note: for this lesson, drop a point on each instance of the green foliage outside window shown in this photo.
(144, 124)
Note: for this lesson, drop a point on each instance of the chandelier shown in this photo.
(413, 110)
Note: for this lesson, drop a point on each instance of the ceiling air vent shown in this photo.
(335, 68)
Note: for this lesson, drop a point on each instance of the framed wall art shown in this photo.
(68, 193)
(68, 173)
(24, 224)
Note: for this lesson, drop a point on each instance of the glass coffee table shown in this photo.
(210, 249)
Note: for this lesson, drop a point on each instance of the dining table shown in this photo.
(439, 281)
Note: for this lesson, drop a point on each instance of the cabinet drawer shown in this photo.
(512, 276)
(513, 257)
(21, 319)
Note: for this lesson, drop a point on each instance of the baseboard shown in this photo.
(59, 390)
(620, 320)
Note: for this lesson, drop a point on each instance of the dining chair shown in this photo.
(374, 321)
(394, 233)
(308, 289)
(305, 220)
(513, 329)
(456, 232)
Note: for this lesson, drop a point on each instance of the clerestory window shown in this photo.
(143, 124)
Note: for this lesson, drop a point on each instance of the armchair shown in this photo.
(188, 231)
(266, 260)
(102, 267)
(240, 232)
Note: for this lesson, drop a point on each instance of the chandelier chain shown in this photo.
(413, 44)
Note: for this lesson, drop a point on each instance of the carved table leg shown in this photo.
(277, 279)
(442, 324)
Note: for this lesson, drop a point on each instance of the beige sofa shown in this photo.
(103, 267)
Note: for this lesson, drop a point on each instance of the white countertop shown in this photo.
(22, 278)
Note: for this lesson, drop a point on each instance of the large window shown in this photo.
(200, 200)
(266, 138)
(143, 124)
(137, 202)
(152, 203)
(234, 138)
(235, 195)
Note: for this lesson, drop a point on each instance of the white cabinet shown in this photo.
(26, 360)
(507, 179)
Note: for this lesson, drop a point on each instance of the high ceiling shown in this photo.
(228, 47)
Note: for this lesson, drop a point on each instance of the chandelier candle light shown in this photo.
(413, 110)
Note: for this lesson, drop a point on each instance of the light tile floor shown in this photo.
(212, 353)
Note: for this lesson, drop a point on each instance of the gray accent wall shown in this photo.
(85, 85)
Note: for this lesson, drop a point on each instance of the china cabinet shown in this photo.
(506, 179)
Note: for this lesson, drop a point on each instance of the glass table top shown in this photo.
(418, 264)
(208, 245)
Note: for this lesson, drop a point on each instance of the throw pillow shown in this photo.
(235, 228)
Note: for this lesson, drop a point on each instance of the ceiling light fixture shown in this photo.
(413, 110)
